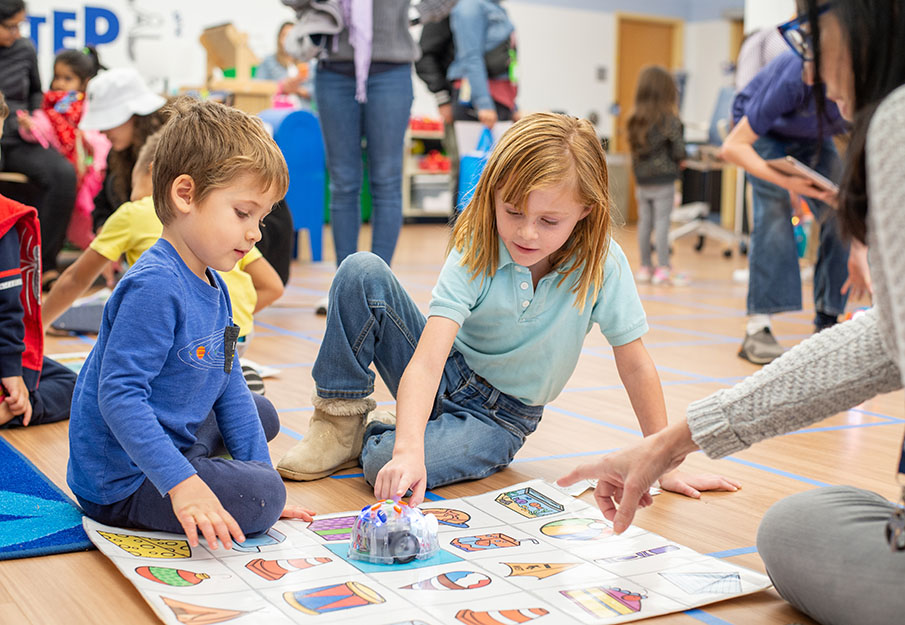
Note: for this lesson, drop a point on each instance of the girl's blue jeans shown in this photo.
(774, 283)
(382, 121)
(473, 431)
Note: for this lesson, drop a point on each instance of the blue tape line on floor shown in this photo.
(286, 332)
(787, 474)
(728, 553)
(705, 617)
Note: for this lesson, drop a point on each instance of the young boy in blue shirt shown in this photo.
(162, 391)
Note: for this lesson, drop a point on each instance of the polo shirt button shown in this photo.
(525, 304)
(524, 285)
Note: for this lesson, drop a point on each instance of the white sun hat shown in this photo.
(114, 96)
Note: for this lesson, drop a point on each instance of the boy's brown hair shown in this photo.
(4, 109)
(214, 144)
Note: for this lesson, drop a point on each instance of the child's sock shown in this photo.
(756, 323)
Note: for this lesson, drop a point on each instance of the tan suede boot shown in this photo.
(333, 440)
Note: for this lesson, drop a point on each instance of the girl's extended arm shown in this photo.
(266, 280)
(72, 284)
(639, 376)
(738, 148)
(414, 402)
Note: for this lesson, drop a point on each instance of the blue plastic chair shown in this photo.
(298, 134)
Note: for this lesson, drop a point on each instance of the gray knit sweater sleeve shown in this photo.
(844, 365)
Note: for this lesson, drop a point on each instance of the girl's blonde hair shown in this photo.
(656, 99)
(542, 150)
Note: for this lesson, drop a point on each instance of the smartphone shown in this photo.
(791, 166)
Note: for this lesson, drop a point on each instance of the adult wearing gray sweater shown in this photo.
(364, 91)
(824, 549)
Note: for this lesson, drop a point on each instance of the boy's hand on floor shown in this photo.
(692, 485)
(197, 507)
(17, 397)
(403, 472)
(298, 512)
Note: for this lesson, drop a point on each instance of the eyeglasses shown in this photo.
(12, 28)
(798, 36)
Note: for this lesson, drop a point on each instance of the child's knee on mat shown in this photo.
(267, 499)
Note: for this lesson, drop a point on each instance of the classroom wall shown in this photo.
(566, 51)
(762, 13)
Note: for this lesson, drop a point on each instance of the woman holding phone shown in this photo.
(836, 553)
(775, 117)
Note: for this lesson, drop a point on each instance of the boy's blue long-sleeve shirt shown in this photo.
(152, 378)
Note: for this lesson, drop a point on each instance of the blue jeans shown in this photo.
(774, 283)
(382, 121)
(474, 430)
(252, 492)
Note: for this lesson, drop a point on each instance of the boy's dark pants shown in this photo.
(252, 492)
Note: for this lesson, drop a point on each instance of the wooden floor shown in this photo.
(694, 337)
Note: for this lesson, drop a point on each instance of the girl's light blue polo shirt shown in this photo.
(526, 341)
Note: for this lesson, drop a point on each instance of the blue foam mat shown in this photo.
(36, 517)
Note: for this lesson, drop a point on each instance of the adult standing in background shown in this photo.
(364, 91)
(758, 49)
(46, 168)
(775, 116)
(482, 87)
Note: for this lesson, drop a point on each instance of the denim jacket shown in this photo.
(478, 26)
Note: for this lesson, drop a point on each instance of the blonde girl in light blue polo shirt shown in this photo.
(531, 268)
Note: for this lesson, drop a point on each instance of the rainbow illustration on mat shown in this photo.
(577, 529)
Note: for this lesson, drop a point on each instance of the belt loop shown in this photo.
(492, 398)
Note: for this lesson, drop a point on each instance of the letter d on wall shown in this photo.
(92, 16)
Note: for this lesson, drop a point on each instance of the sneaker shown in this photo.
(761, 347)
(661, 276)
(643, 275)
(320, 306)
(253, 379)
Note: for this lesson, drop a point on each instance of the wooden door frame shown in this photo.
(677, 53)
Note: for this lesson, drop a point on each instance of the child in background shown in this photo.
(162, 389)
(253, 284)
(127, 112)
(532, 267)
(35, 389)
(657, 140)
(56, 124)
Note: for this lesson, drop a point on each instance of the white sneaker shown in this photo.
(320, 306)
